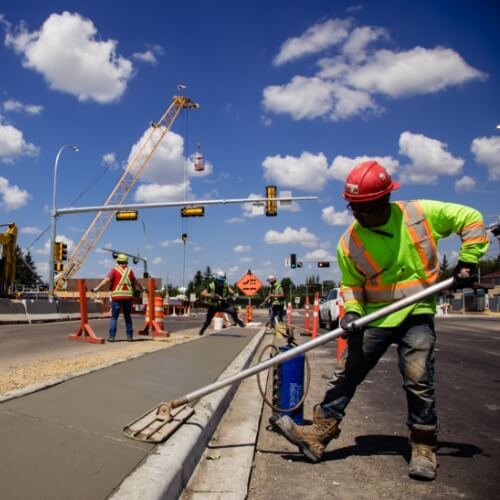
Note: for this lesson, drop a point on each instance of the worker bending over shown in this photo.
(216, 297)
(275, 297)
(388, 253)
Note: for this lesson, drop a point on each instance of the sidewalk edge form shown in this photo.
(167, 470)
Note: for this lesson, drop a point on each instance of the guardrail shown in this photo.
(41, 310)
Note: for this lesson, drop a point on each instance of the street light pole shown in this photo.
(53, 216)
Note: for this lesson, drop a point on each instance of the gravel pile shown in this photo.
(35, 372)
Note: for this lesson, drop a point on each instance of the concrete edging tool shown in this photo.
(156, 425)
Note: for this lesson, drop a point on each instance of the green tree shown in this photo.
(26, 274)
(444, 268)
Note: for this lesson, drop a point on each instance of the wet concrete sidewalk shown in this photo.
(66, 442)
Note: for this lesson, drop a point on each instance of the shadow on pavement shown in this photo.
(379, 444)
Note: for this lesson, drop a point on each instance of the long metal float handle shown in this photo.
(323, 339)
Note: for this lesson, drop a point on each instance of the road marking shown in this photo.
(493, 407)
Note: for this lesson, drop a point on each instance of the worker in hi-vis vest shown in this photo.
(387, 253)
(275, 297)
(216, 297)
(123, 284)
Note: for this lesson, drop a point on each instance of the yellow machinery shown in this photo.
(138, 162)
(8, 240)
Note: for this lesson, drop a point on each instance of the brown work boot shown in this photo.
(311, 439)
(423, 463)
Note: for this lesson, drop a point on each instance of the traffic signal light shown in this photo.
(192, 211)
(271, 205)
(293, 260)
(58, 267)
(127, 215)
(64, 251)
(323, 263)
(58, 250)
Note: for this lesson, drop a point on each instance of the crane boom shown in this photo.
(134, 169)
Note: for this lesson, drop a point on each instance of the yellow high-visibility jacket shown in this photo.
(384, 264)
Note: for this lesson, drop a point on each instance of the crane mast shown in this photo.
(134, 169)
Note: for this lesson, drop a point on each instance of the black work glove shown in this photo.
(347, 325)
(464, 274)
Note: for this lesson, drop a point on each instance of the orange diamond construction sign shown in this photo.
(249, 284)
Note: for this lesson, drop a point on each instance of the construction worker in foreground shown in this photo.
(389, 252)
(275, 297)
(123, 284)
(216, 297)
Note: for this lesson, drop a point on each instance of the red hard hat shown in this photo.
(368, 181)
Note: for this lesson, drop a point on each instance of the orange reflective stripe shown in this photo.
(392, 292)
(350, 294)
(421, 235)
(354, 249)
(483, 239)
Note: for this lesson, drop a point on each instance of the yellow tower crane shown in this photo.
(138, 162)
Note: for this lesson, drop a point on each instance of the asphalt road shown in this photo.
(369, 460)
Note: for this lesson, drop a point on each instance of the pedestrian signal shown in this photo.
(299, 263)
(64, 251)
(323, 263)
(58, 267)
(127, 215)
(293, 260)
(271, 205)
(192, 211)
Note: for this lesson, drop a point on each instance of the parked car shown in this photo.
(329, 310)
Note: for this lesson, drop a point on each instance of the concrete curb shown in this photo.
(167, 470)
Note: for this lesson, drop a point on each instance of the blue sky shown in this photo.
(292, 93)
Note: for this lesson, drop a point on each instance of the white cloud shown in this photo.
(12, 144)
(348, 82)
(30, 230)
(429, 159)
(319, 254)
(302, 98)
(12, 197)
(72, 58)
(291, 236)
(233, 220)
(109, 159)
(17, 106)
(156, 193)
(355, 46)
(313, 40)
(147, 57)
(242, 248)
(333, 218)
(308, 172)
(166, 169)
(245, 260)
(342, 165)
(46, 247)
(415, 71)
(466, 183)
(157, 260)
(486, 151)
(170, 243)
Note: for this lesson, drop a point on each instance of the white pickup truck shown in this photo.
(329, 309)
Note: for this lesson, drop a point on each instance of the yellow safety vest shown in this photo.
(401, 258)
(124, 287)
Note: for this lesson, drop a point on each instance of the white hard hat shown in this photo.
(220, 275)
(271, 278)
